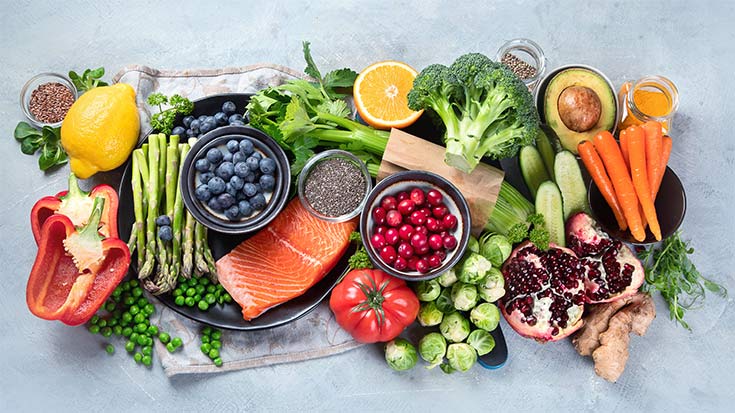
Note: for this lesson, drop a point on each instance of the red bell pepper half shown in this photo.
(75, 270)
(77, 205)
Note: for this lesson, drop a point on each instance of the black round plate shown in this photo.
(230, 316)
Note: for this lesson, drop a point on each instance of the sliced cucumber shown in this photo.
(570, 182)
(549, 204)
(532, 168)
(547, 152)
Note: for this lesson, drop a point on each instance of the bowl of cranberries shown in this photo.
(415, 225)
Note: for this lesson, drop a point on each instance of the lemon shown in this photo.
(101, 129)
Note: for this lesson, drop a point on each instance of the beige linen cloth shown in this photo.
(314, 335)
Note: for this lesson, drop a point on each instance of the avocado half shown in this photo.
(579, 105)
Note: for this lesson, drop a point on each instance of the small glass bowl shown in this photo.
(332, 154)
(528, 51)
(35, 82)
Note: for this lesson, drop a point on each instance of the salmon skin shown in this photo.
(282, 260)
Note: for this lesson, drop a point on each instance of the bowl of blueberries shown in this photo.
(236, 179)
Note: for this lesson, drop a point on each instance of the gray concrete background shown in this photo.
(47, 366)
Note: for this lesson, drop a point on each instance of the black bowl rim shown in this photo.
(430, 178)
(280, 193)
(628, 238)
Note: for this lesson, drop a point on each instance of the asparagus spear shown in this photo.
(152, 189)
(209, 259)
(138, 230)
(200, 237)
(187, 263)
(161, 164)
(178, 217)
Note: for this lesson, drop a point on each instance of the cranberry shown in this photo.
(439, 211)
(381, 229)
(434, 197)
(412, 263)
(417, 196)
(435, 242)
(388, 203)
(422, 229)
(379, 215)
(443, 234)
(441, 254)
(449, 221)
(393, 218)
(434, 261)
(406, 206)
(450, 242)
(433, 225)
(422, 250)
(417, 218)
(388, 254)
(377, 241)
(402, 195)
(422, 265)
(419, 240)
(400, 264)
(405, 250)
(405, 232)
(426, 211)
(391, 236)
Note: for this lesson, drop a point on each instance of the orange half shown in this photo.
(381, 95)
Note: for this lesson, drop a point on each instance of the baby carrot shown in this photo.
(615, 165)
(665, 153)
(653, 151)
(637, 147)
(624, 147)
(596, 169)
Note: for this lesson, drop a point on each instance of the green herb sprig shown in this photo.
(163, 121)
(533, 229)
(89, 79)
(670, 272)
(47, 141)
(360, 258)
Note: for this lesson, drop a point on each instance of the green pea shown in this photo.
(147, 350)
(117, 291)
(180, 300)
(217, 362)
(141, 340)
(127, 331)
(139, 318)
(117, 330)
(204, 281)
(110, 307)
(207, 330)
(170, 347)
(153, 330)
(94, 329)
(112, 322)
(133, 283)
(216, 335)
(205, 339)
(126, 317)
(102, 322)
(137, 292)
(176, 341)
(138, 357)
(164, 337)
(95, 318)
(106, 332)
(134, 309)
(134, 336)
(220, 299)
(180, 279)
(190, 292)
(203, 305)
(216, 344)
(110, 349)
(228, 297)
(147, 360)
(213, 353)
(190, 301)
(200, 289)
(129, 301)
(211, 289)
(177, 292)
(140, 328)
(205, 348)
(209, 298)
(149, 309)
(125, 287)
(130, 346)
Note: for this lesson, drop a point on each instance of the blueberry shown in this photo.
(225, 200)
(237, 182)
(178, 131)
(225, 170)
(257, 155)
(187, 120)
(216, 185)
(165, 233)
(205, 177)
(253, 163)
(250, 177)
(190, 133)
(232, 213)
(214, 204)
(246, 147)
(249, 189)
(245, 208)
(267, 166)
(202, 118)
(214, 156)
(240, 196)
(230, 189)
(257, 202)
(258, 188)
(233, 146)
(267, 182)
(237, 123)
(202, 193)
(195, 124)
(238, 157)
(202, 165)
(235, 118)
(207, 126)
(227, 157)
(229, 107)
(220, 118)
(241, 169)
(163, 220)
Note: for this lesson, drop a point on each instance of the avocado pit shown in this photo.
(579, 108)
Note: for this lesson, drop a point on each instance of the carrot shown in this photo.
(615, 165)
(653, 151)
(624, 146)
(637, 147)
(596, 169)
(665, 153)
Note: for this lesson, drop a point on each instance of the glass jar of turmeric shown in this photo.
(649, 98)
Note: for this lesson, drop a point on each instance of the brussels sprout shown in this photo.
(461, 356)
(481, 341)
(492, 287)
(432, 349)
(400, 354)
(448, 278)
(428, 290)
(454, 327)
(473, 245)
(444, 301)
(429, 315)
(473, 268)
(464, 296)
(496, 248)
(485, 316)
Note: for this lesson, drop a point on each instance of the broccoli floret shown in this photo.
(486, 109)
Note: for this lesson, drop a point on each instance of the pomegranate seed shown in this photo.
(402, 195)
(418, 240)
(449, 221)
(436, 242)
(422, 250)
(393, 218)
(417, 196)
(405, 250)
(388, 203)
(391, 236)
(406, 206)
(405, 232)
(379, 215)
(417, 218)
(388, 254)
(450, 242)
(412, 263)
(433, 225)
(381, 229)
(422, 229)
(377, 241)
(422, 265)
(439, 211)
(434, 197)
(400, 264)
(434, 261)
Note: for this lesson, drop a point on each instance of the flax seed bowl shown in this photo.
(46, 98)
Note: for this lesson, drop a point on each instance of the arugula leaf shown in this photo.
(89, 79)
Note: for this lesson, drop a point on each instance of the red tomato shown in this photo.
(373, 306)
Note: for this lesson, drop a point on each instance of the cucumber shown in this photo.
(549, 204)
(547, 151)
(570, 182)
(532, 168)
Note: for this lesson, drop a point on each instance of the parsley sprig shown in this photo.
(163, 121)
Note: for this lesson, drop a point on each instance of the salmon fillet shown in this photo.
(282, 260)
